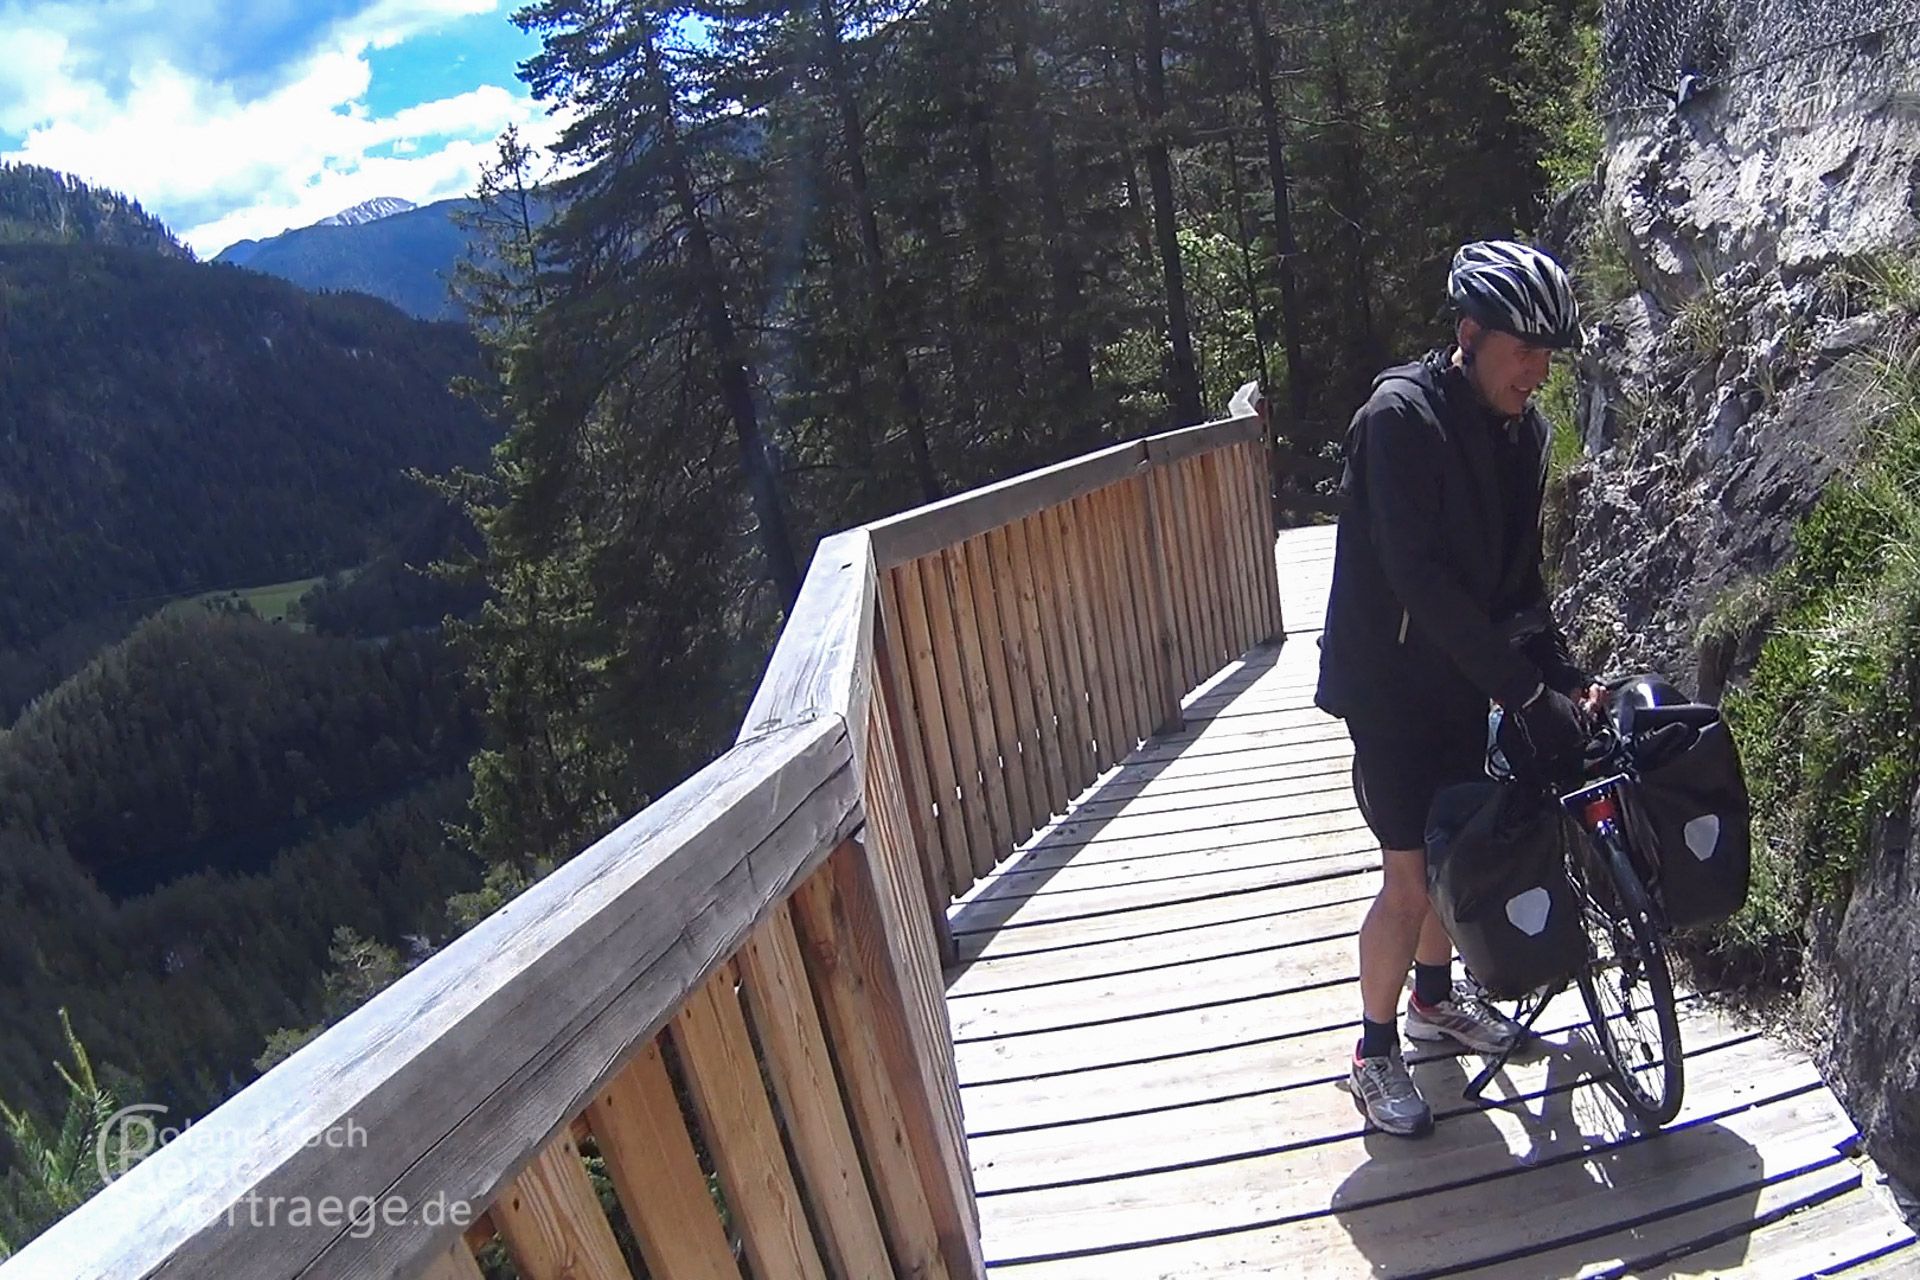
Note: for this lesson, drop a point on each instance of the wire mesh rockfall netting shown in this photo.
(1658, 52)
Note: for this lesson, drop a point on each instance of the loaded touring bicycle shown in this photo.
(1545, 882)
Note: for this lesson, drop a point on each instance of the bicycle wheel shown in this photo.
(1628, 988)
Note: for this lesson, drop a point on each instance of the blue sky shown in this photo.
(237, 119)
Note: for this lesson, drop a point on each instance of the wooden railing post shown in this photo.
(1166, 653)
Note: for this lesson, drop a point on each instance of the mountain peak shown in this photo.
(368, 211)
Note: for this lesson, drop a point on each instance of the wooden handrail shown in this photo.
(442, 1087)
(751, 966)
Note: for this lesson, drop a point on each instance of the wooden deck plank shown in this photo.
(1899, 1264)
(1380, 1216)
(1039, 908)
(1822, 1238)
(1299, 1098)
(1152, 925)
(1712, 1238)
(1156, 998)
(1269, 1059)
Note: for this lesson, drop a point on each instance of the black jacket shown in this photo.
(1437, 603)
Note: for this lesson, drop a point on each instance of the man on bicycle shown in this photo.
(1437, 608)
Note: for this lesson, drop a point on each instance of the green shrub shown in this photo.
(1889, 280)
(1826, 724)
(1705, 322)
(1603, 273)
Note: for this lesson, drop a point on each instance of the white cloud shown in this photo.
(222, 166)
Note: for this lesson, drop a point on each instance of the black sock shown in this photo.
(1432, 983)
(1376, 1038)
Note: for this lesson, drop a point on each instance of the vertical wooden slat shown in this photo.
(1042, 661)
(1188, 473)
(1022, 680)
(1165, 550)
(897, 735)
(777, 991)
(1064, 524)
(723, 1076)
(990, 733)
(1224, 488)
(1156, 606)
(1056, 612)
(1206, 514)
(1134, 588)
(936, 735)
(937, 580)
(552, 1222)
(1247, 532)
(1103, 549)
(892, 1076)
(998, 611)
(895, 870)
(896, 667)
(1226, 551)
(455, 1264)
(1269, 571)
(1084, 533)
(1257, 531)
(1191, 581)
(642, 1135)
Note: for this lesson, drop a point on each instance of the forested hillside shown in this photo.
(199, 808)
(46, 207)
(168, 427)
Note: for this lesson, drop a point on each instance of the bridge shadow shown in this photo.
(1554, 1181)
(1030, 868)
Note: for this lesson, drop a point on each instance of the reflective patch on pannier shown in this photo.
(1702, 835)
(1529, 911)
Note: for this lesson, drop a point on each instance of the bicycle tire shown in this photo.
(1641, 957)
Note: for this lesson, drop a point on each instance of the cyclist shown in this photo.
(1437, 607)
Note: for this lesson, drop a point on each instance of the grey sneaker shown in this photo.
(1387, 1097)
(1466, 1018)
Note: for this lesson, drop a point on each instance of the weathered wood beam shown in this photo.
(823, 662)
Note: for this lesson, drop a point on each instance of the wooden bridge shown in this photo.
(1014, 935)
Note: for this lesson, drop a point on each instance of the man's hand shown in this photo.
(1594, 700)
(1553, 726)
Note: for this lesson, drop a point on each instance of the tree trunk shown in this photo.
(1182, 374)
(1286, 248)
(853, 135)
(1249, 279)
(1063, 268)
(1351, 178)
(736, 387)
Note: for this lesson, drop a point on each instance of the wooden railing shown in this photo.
(731, 1009)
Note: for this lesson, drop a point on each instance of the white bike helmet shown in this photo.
(1516, 289)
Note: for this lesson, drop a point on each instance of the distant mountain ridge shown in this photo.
(368, 211)
(402, 253)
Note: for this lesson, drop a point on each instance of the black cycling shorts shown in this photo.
(1395, 775)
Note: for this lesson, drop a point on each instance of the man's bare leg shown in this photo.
(1394, 931)
(1399, 927)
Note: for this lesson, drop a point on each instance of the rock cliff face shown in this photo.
(1726, 383)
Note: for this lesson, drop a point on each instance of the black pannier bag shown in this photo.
(1497, 874)
(1694, 807)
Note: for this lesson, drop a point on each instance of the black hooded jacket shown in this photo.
(1437, 603)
